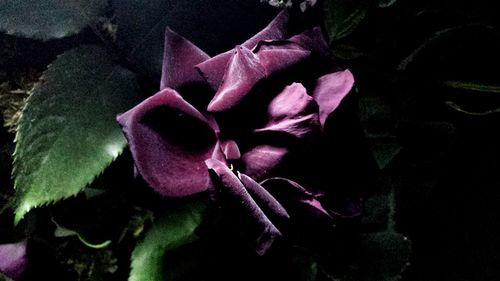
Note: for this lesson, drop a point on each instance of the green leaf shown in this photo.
(142, 23)
(4, 278)
(169, 232)
(48, 19)
(473, 86)
(386, 3)
(67, 134)
(342, 17)
(473, 113)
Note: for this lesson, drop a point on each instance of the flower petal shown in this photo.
(213, 69)
(13, 259)
(179, 58)
(170, 140)
(290, 193)
(330, 90)
(243, 72)
(293, 112)
(231, 184)
(264, 199)
(230, 149)
(260, 160)
(274, 60)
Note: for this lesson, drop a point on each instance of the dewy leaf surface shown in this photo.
(48, 19)
(67, 134)
(172, 230)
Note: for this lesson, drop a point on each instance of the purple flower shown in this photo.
(234, 121)
(13, 259)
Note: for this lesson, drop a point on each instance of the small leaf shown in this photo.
(48, 19)
(386, 3)
(171, 231)
(4, 278)
(214, 26)
(67, 134)
(473, 113)
(473, 86)
(342, 17)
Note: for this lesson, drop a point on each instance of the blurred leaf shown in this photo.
(67, 134)
(472, 86)
(432, 41)
(384, 151)
(142, 23)
(386, 3)
(474, 113)
(4, 278)
(347, 52)
(342, 17)
(48, 19)
(306, 265)
(171, 231)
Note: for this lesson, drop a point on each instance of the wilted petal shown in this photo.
(213, 69)
(293, 112)
(232, 184)
(330, 90)
(264, 199)
(179, 58)
(13, 259)
(243, 72)
(262, 159)
(170, 140)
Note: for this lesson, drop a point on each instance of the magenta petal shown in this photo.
(231, 184)
(170, 140)
(277, 29)
(293, 112)
(13, 259)
(243, 72)
(213, 69)
(264, 199)
(291, 193)
(230, 149)
(312, 40)
(179, 58)
(274, 60)
(260, 160)
(330, 90)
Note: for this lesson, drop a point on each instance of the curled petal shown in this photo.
(330, 90)
(243, 72)
(170, 140)
(262, 159)
(232, 184)
(294, 196)
(213, 69)
(179, 58)
(13, 259)
(293, 112)
(264, 199)
(230, 150)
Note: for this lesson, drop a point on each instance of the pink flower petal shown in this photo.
(293, 112)
(330, 90)
(170, 140)
(243, 72)
(267, 232)
(213, 69)
(13, 259)
(179, 58)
